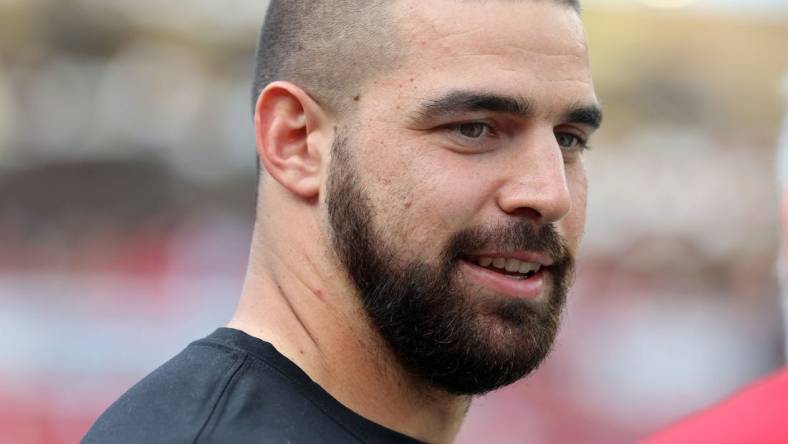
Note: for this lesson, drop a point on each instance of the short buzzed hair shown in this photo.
(326, 47)
(329, 47)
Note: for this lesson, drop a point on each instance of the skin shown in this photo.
(426, 179)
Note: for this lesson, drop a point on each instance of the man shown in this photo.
(421, 198)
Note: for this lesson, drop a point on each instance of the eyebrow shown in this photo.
(590, 115)
(460, 102)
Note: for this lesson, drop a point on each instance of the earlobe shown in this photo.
(288, 130)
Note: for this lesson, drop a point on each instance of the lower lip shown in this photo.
(530, 288)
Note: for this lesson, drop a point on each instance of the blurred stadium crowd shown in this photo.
(127, 177)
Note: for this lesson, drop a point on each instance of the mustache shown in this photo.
(516, 235)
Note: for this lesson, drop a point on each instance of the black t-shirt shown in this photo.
(233, 388)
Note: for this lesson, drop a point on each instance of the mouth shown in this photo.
(518, 277)
(511, 267)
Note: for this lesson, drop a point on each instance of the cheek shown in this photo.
(419, 198)
(573, 224)
(397, 190)
(418, 209)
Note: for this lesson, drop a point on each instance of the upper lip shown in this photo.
(524, 256)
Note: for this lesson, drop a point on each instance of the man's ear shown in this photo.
(290, 131)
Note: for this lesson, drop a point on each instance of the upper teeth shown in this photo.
(510, 265)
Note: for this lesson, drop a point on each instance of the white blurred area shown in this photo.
(127, 175)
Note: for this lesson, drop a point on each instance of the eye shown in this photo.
(569, 141)
(472, 136)
(473, 130)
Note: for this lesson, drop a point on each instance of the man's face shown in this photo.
(456, 196)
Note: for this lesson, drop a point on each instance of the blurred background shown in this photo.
(127, 176)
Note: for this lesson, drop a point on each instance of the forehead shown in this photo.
(544, 25)
(526, 48)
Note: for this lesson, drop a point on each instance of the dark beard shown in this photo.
(443, 334)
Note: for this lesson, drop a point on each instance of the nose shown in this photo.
(536, 187)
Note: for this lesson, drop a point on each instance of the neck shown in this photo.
(313, 319)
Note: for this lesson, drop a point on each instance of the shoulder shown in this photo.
(224, 388)
(231, 387)
(755, 414)
(173, 402)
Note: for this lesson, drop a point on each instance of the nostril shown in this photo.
(526, 213)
